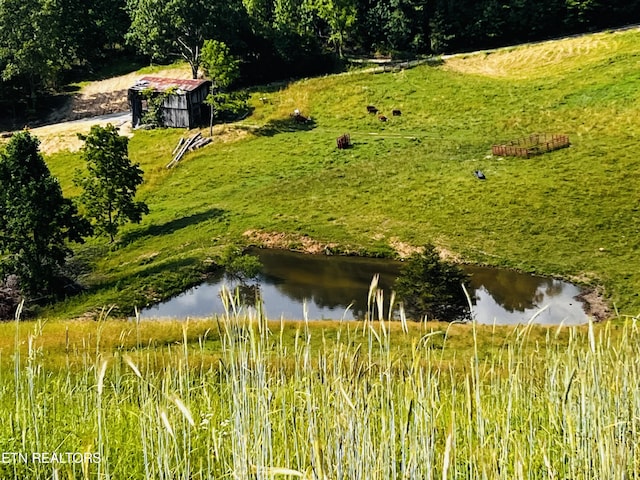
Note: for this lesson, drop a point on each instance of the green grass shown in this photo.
(238, 397)
(571, 213)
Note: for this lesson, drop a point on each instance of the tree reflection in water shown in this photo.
(330, 284)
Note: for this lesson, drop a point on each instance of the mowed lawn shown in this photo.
(571, 213)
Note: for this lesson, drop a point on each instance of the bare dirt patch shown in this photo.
(64, 136)
(97, 103)
(595, 304)
(306, 244)
(288, 241)
(404, 250)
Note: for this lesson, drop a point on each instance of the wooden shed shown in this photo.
(183, 107)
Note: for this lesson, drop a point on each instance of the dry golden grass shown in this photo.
(64, 341)
(64, 136)
(535, 60)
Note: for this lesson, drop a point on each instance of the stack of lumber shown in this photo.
(187, 145)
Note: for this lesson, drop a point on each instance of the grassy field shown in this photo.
(571, 213)
(242, 397)
(239, 397)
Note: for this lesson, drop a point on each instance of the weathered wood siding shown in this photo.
(182, 109)
(178, 101)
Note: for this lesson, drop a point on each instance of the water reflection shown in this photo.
(336, 287)
(514, 291)
(329, 283)
(508, 297)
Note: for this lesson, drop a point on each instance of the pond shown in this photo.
(336, 287)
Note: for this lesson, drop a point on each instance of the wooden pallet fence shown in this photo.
(187, 145)
(535, 144)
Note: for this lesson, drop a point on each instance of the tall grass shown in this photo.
(548, 403)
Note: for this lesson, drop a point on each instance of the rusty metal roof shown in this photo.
(160, 84)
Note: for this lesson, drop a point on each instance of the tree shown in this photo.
(393, 25)
(41, 40)
(218, 64)
(30, 44)
(36, 221)
(110, 182)
(170, 28)
(340, 16)
(223, 69)
(431, 287)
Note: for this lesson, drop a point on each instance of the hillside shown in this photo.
(571, 213)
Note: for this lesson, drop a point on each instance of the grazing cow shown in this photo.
(396, 113)
(382, 118)
(372, 109)
(298, 117)
(479, 175)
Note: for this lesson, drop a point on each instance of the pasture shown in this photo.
(240, 396)
(571, 213)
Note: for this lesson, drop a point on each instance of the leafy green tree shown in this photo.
(111, 181)
(340, 16)
(393, 26)
(223, 69)
(36, 221)
(226, 105)
(30, 44)
(286, 26)
(240, 265)
(178, 28)
(431, 287)
(219, 64)
(41, 40)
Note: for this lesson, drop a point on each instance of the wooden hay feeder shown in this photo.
(344, 141)
(536, 144)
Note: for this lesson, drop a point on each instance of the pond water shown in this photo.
(336, 287)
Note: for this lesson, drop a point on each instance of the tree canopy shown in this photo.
(36, 221)
(110, 182)
(176, 28)
(43, 40)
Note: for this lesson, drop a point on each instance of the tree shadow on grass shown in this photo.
(284, 125)
(150, 284)
(172, 226)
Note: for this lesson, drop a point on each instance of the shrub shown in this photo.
(431, 287)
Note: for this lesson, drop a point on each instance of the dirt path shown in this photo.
(64, 135)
